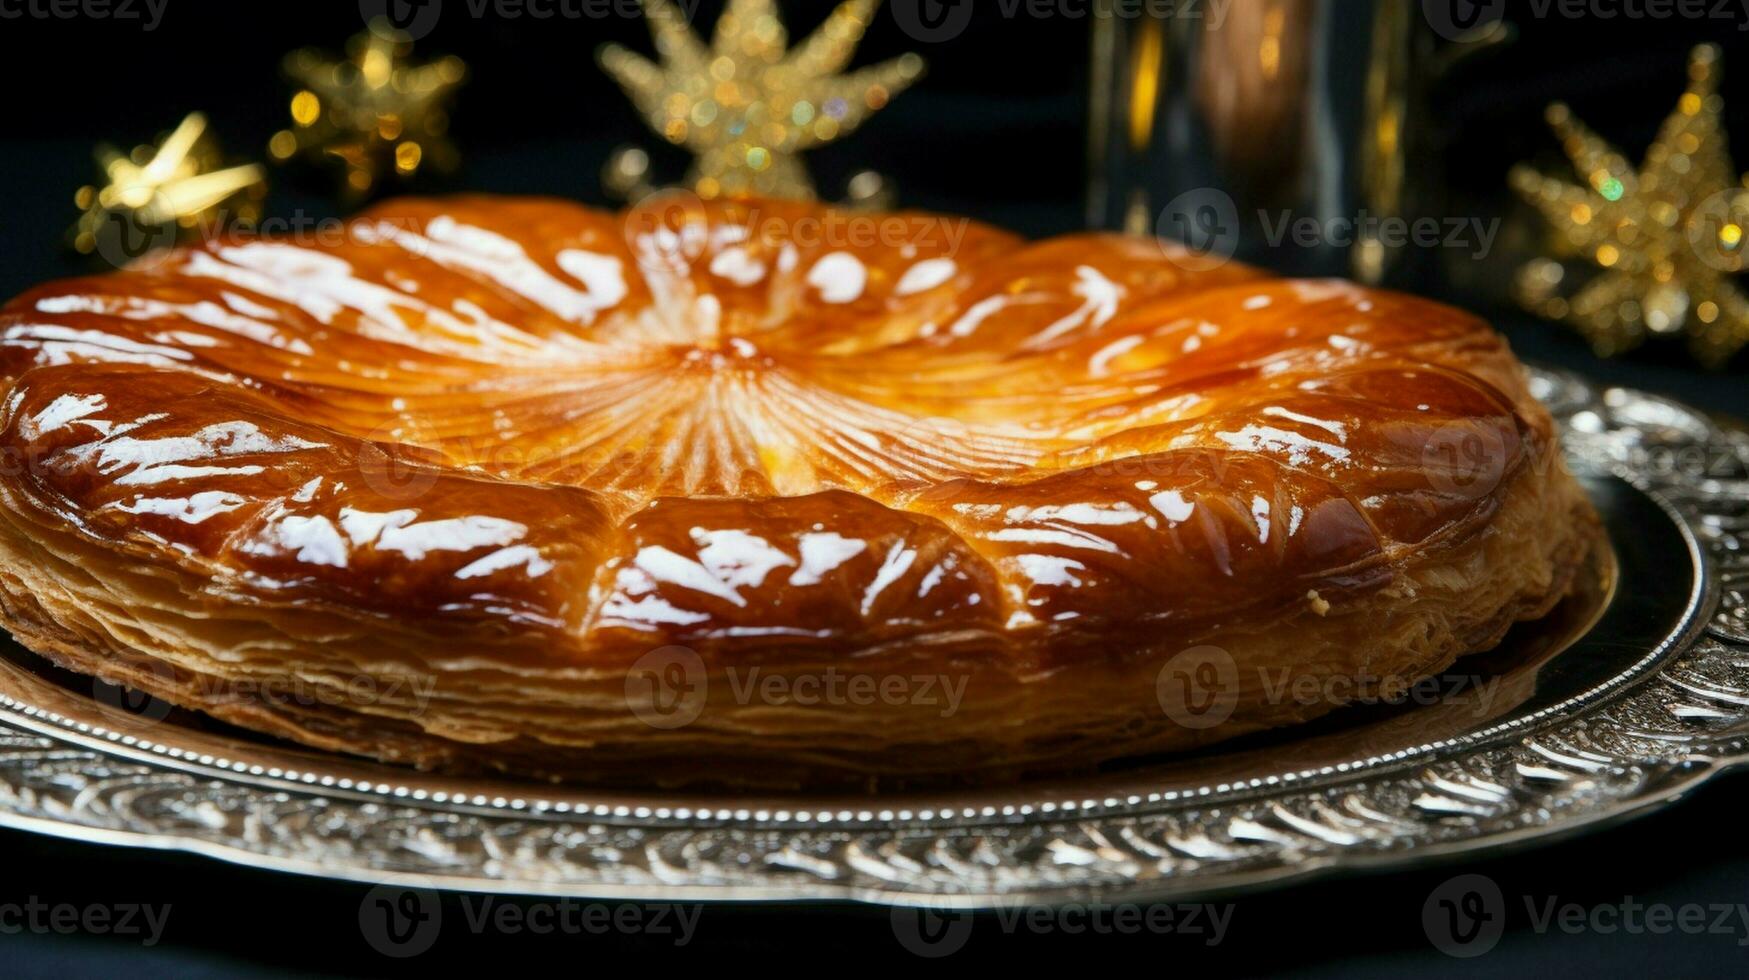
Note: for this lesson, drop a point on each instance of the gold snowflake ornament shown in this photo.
(374, 111)
(160, 194)
(1668, 238)
(748, 104)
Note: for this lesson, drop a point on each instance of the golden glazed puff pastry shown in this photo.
(757, 493)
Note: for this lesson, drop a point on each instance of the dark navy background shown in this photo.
(997, 132)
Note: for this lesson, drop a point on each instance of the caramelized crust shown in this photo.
(515, 484)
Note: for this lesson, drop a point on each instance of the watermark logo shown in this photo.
(931, 933)
(400, 921)
(1199, 687)
(1199, 229)
(670, 223)
(667, 687)
(933, 21)
(131, 704)
(123, 240)
(389, 468)
(1465, 461)
(403, 922)
(1458, 19)
(671, 230)
(396, 20)
(1465, 916)
(1716, 230)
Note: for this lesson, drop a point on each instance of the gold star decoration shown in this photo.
(159, 194)
(1668, 238)
(749, 104)
(374, 111)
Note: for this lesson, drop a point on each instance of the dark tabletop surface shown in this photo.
(224, 920)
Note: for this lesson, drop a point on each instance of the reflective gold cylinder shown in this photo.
(1275, 131)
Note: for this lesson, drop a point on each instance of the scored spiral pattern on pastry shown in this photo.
(517, 444)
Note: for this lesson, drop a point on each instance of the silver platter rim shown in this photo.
(1674, 718)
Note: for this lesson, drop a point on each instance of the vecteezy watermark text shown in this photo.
(936, 21)
(1465, 916)
(677, 923)
(676, 222)
(134, 919)
(1201, 230)
(1472, 233)
(833, 687)
(412, 694)
(148, 14)
(1199, 688)
(934, 933)
(405, 921)
(416, 18)
(1454, 19)
(669, 687)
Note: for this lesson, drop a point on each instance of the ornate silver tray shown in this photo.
(1632, 694)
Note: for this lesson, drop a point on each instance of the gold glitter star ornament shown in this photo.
(1668, 237)
(748, 104)
(160, 194)
(375, 111)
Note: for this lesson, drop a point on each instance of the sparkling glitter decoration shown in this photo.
(375, 111)
(159, 194)
(749, 104)
(1668, 238)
